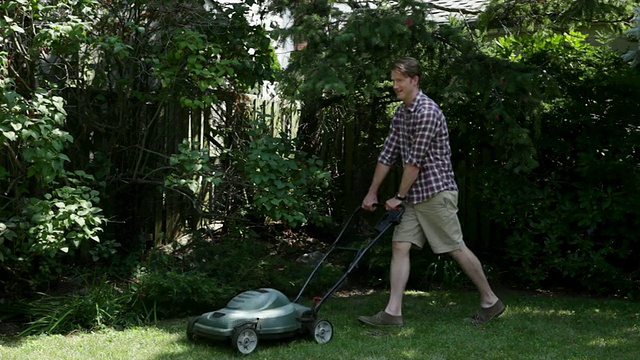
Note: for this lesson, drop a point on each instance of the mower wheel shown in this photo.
(245, 338)
(322, 331)
(191, 336)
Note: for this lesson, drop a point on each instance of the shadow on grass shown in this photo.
(220, 349)
(9, 333)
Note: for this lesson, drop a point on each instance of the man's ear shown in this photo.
(415, 79)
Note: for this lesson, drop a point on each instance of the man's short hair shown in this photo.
(408, 66)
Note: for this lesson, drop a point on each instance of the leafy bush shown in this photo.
(175, 293)
(202, 275)
(48, 211)
(99, 304)
(571, 220)
(205, 274)
(584, 238)
(261, 179)
(192, 168)
(287, 184)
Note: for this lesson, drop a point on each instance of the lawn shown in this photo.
(535, 326)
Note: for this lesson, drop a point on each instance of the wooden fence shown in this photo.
(343, 149)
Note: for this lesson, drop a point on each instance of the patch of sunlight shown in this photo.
(419, 354)
(633, 329)
(406, 332)
(538, 311)
(438, 299)
(609, 313)
(348, 293)
(410, 354)
(418, 293)
(602, 342)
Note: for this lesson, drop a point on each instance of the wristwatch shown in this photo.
(401, 198)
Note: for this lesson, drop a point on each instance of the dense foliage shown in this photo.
(47, 210)
(128, 144)
(573, 217)
(91, 91)
(104, 159)
(543, 122)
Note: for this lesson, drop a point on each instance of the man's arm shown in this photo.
(409, 176)
(372, 195)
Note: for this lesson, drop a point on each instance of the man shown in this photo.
(419, 134)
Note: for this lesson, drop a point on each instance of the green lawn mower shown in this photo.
(268, 314)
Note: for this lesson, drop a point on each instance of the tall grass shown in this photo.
(97, 305)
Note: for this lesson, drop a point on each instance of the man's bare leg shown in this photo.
(473, 268)
(399, 275)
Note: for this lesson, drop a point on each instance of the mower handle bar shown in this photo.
(391, 218)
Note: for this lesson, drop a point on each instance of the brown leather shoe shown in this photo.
(381, 319)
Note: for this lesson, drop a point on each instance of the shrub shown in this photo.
(286, 184)
(570, 221)
(48, 212)
(174, 294)
(203, 274)
(99, 304)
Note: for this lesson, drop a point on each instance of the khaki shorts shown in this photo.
(434, 220)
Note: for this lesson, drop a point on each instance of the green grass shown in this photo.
(533, 327)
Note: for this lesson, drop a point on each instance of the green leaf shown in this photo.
(10, 135)
(79, 220)
(17, 28)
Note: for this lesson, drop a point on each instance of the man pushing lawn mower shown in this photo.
(419, 134)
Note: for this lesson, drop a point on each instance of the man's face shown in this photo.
(405, 87)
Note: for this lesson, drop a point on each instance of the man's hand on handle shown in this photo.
(392, 204)
(370, 202)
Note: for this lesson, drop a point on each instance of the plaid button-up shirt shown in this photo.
(419, 133)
